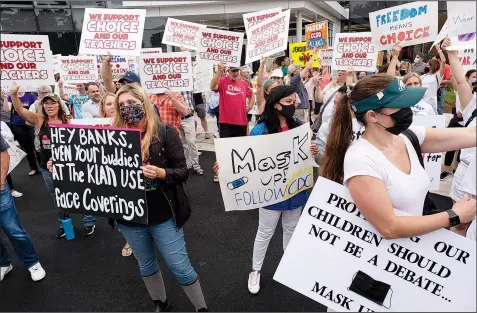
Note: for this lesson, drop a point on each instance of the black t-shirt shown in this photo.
(198, 98)
(45, 145)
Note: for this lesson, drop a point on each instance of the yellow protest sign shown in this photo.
(300, 56)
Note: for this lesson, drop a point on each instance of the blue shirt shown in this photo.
(27, 100)
(76, 102)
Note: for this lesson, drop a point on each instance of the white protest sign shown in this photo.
(203, 73)
(268, 38)
(325, 56)
(257, 171)
(166, 70)
(120, 65)
(334, 250)
(117, 31)
(181, 33)
(78, 69)
(432, 161)
(467, 58)
(255, 18)
(461, 17)
(354, 52)
(92, 121)
(27, 60)
(56, 69)
(70, 90)
(410, 24)
(215, 46)
(16, 155)
(442, 35)
(151, 50)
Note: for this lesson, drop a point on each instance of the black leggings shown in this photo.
(449, 157)
(24, 135)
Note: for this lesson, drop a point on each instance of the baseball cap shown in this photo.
(396, 95)
(233, 68)
(277, 73)
(51, 96)
(130, 77)
(267, 83)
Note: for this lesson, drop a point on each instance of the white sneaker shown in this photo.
(4, 271)
(37, 272)
(254, 282)
(16, 194)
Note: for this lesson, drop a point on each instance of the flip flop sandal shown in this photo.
(33, 173)
(125, 252)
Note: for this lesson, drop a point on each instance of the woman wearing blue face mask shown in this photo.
(165, 169)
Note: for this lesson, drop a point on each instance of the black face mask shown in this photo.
(402, 120)
(367, 287)
(402, 72)
(288, 111)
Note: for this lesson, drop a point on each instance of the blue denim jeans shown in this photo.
(88, 220)
(440, 102)
(19, 238)
(170, 241)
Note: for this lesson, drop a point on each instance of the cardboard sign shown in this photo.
(300, 56)
(203, 73)
(325, 56)
(268, 38)
(96, 171)
(181, 33)
(467, 58)
(442, 35)
(146, 51)
(56, 68)
(432, 161)
(256, 18)
(333, 248)
(120, 65)
(16, 155)
(215, 46)
(410, 24)
(354, 52)
(257, 171)
(316, 35)
(163, 71)
(117, 31)
(78, 69)
(26, 60)
(70, 90)
(461, 17)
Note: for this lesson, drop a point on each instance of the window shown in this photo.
(78, 16)
(65, 43)
(18, 20)
(330, 34)
(52, 20)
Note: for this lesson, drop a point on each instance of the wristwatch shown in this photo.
(454, 219)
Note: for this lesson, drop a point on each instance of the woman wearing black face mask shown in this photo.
(382, 169)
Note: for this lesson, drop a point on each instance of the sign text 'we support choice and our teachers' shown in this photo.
(96, 170)
(258, 171)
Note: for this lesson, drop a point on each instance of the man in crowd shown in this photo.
(171, 108)
(91, 107)
(298, 75)
(75, 101)
(199, 108)
(10, 224)
(188, 135)
(419, 65)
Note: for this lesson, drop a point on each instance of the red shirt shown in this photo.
(325, 80)
(447, 74)
(167, 109)
(233, 101)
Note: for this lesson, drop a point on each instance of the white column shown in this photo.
(299, 27)
(169, 48)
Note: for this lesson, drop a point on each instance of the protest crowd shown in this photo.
(347, 145)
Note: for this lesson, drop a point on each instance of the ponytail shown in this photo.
(339, 140)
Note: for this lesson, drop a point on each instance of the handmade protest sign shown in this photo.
(120, 65)
(354, 52)
(325, 56)
(16, 155)
(96, 171)
(215, 46)
(56, 68)
(268, 38)
(27, 60)
(316, 35)
(163, 71)
(408, 24)
(258, 171)
(255, 18)
(202, 73)
(181, 33)
(467, 58)
(116, 31)
(432, 161)
(78, 69)
(442, 34)
(300, 56)
(70, 90)
(461, 17)
(94, 121)
(335, 253)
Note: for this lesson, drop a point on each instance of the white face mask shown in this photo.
(416, 60)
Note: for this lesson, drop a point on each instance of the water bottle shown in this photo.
(68, 227)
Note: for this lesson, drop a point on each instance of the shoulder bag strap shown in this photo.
(415, 143)
(474, 114)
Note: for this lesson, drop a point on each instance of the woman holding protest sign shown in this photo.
(51, 113)
(165, 169)
(384, 164)
(277, 117)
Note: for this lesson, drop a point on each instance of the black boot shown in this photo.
(161, 306)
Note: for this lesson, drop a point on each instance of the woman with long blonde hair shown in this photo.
(165, 169)
(106, 105)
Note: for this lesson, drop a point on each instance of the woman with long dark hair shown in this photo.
(382, 169)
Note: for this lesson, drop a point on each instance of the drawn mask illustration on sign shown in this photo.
(369, 288)
(237, 183)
